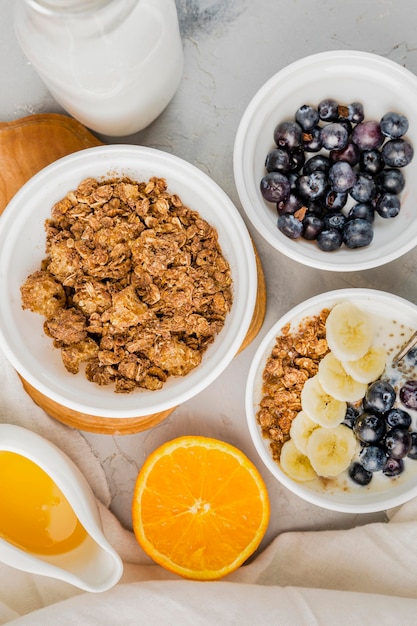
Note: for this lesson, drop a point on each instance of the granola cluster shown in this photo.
(134, 283)
(293, 360)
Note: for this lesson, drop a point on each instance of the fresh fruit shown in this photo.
(398, 417)
(354, 160)
(359, 474)
(408, 394)
(307, 116)
(200, 507)
(413, 450)
(357, 233)
(290, 225)
(330, 450)
(393, 467)
(398, 442)
(394, 125)
(329, 239)
(342, 177)
(349, 331)
(373, 458)
(301, 428)
(380, 397)
(397, 153)
(370, 428)
(369, 367)
(288, 135)
(337, 382)
(275, 187)
(320, 406)
(295, 464)
(388, 205)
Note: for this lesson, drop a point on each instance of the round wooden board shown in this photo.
(26, 146)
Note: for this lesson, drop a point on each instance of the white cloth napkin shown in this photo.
(363, 575)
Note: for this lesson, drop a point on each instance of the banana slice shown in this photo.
(320, 407)
(295, 464)
(330, 450)
(301, 428)
(349, 331)
(337, 382)
(369, 367)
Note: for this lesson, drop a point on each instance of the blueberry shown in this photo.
(388, 205)
(350, 153)
(292, 178)
(312, 226)
(391, 180)
(373, 458)
(334, 220)
(355, 112)
(362, 210)
(397, 152)
(359, 474)
(275, 187)
(380, 397)
(288, 135)
(317, 162)
(367, 135)
(335, 201)
(397, 442)
(364, 189)
(329, 239)
(291, 204)
(334, 136)
(328, 110)
(413, 450)
(408, 394)
(312, 186)
(398, 417)
(350, 416)
(369, 428)
(278, 160)
(357, 233)
(316, 207)
(342, 176)
(290, 226)
(394, 125)
(311, 141)
(307, 117)
(298, 159)
(393, 467)
(371, 162)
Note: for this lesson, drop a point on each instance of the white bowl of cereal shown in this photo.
(145, 294)
(304, 188)
(338, 427)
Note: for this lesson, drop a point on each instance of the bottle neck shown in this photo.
(67, 7)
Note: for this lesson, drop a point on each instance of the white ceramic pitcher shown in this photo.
(93, 565)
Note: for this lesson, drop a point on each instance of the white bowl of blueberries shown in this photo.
(323, 161)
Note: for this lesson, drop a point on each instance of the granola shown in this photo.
(134, 284)
(293, 360)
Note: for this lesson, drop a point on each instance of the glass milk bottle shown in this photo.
(114, 65)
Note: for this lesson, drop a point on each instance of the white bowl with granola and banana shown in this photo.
(331, 410)
(128, 281)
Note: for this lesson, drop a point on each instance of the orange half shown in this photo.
(200, 507)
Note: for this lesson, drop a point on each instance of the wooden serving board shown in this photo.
(26, 146)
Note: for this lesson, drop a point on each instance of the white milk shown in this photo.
(114, 65)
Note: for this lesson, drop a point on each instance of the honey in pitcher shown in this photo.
(35, 516)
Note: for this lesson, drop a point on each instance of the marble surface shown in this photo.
(231, 48)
